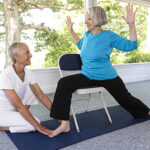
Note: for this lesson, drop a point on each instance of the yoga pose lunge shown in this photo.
(95, 49)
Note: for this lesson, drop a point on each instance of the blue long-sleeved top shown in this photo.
(96, 50)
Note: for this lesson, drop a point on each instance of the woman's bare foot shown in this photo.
(59, 121)
(4, 129)
(64, 127)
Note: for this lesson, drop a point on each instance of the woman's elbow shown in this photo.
(20, 108)
(135, 47)
(131, 48)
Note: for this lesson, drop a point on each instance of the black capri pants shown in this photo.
(67, 85)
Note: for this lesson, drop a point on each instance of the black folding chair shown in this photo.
(71, 64)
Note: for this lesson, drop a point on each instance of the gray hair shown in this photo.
(98, 16)
(15, 48)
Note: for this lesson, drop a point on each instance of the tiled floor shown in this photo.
(130, 138)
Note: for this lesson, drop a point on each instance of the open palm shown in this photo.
(130, 17)
(69, 23)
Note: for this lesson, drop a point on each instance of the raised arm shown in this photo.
(130, 20)
(41, 96)
(70, 28)
(15, 100)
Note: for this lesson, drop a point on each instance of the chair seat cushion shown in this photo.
(87, 90)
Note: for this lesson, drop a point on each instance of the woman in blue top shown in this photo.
(96, 47)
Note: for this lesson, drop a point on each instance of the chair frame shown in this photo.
(97, 89)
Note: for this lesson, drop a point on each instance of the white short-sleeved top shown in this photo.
(10, 80)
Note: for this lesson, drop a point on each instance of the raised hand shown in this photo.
(70, 28)
(69, 23)
(130, 16)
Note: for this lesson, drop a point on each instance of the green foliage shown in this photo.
(23, 6)
(78, 4)
(2, 36)
(114, 12)
(138, 58)
(60, 43)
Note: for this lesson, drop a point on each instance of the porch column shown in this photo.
(89, 3)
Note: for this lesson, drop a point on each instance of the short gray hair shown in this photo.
(98, 16)
(15, 48)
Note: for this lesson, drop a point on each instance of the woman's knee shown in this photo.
(24, 127)
(64, 82)
(70, 83)
(29, 127)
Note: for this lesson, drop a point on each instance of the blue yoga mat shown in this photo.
(91, 124)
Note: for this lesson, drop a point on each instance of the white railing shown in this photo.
(48, 78)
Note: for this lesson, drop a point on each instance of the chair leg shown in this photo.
(88, 101)
(75, 120)
(106, 110)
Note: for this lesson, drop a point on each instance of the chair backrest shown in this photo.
(69, 63)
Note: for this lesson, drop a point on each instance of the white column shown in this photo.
(92, 3)
(148, 32)
(85, 6)
(89, 3)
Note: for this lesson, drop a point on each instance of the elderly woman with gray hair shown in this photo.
(17, 90)
(95, 49)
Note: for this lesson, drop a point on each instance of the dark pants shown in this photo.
(67, 85)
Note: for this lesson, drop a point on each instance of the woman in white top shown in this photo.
(17, 90)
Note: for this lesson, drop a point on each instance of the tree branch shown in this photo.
(38, 27)
(27, 9)
(42, 5)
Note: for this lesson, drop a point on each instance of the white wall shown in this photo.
(48, 78)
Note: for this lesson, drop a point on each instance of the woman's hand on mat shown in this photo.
(43, 130)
